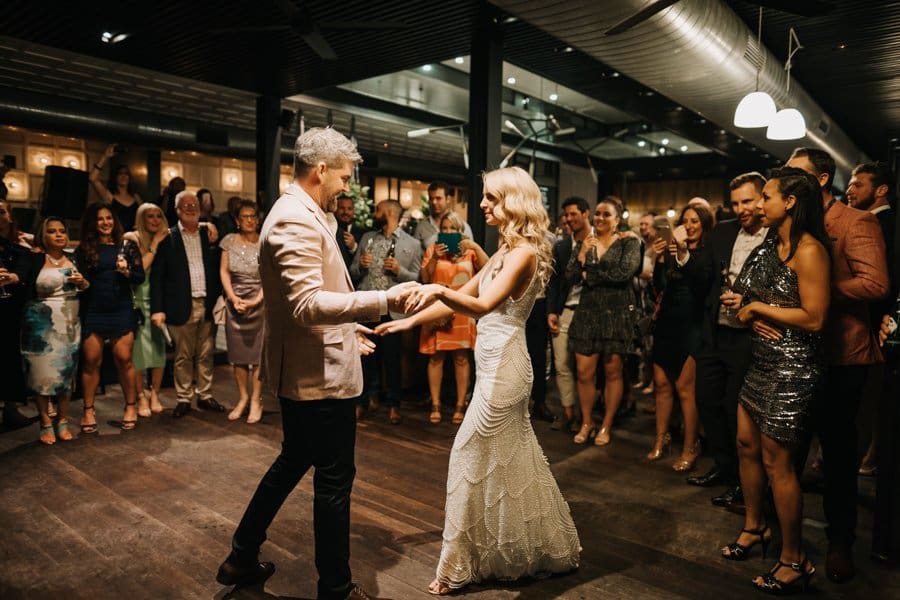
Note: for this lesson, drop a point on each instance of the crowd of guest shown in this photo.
(761, 329)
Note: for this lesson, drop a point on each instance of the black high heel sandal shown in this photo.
(90, 428)
(128, 424)
(736, 551)
(772, 585)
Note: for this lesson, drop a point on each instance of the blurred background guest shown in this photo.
(119, 191)
(228, 222)
(175, 186)
(149, 352)
(111, 265)
(677, 334)
(603, 323)
(450, 267)
(207, 207)
(244, 318)
(15, 267)
(348, 233)
(51, 329)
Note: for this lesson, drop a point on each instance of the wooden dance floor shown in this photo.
(150, 513)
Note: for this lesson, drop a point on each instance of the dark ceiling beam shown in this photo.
(695, 166)
(347, 100)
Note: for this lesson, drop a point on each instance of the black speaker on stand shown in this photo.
(65, 193)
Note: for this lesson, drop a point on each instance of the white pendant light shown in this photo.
(757, 109)
(787, 124)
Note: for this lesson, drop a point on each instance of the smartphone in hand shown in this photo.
(451, 240)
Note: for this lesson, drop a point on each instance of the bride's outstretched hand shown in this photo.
(397, 295)
(393, 326)
(423, 297)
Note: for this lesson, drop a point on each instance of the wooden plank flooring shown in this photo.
(150, 513)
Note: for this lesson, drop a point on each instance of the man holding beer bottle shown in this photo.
(384, 257)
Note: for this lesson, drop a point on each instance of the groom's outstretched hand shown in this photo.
(396, 326)
(366, 346)
(396, 296)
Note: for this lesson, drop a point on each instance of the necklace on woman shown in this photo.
(56, 261)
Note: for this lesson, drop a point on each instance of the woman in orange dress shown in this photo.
(455, 335)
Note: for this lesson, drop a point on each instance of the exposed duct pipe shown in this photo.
(699, 53)
(84, 119)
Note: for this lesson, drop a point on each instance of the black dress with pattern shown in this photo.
(606, 313)
(784, 374)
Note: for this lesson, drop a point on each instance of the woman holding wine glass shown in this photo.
(51, 329)
(112, 265)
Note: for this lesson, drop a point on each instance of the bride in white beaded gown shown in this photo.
(504, 515)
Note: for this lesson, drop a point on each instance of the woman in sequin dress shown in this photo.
(783, 293)
(149, 354)
(51, 329)
(244, 318)
(505, 517)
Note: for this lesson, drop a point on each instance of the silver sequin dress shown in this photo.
(784, 374)
(505, 517)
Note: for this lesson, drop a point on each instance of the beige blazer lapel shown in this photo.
(322, 220)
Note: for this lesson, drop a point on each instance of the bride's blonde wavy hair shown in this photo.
(522, 217)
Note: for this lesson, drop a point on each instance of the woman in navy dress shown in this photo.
(111, 265)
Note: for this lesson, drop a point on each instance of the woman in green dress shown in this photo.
(151, 228)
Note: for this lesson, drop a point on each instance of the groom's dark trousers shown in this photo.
(319, 434)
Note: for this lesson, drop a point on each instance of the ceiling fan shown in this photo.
(804, 8)
(300, 21)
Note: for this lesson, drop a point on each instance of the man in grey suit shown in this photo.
(385, 257)
(311, 362)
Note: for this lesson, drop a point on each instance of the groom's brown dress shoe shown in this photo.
(357, 593)
(232, 574)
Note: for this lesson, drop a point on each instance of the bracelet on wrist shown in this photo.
(98, 166)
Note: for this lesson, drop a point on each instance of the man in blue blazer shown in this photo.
(184, 286)
(562, 299)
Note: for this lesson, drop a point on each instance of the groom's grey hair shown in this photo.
(323, 144)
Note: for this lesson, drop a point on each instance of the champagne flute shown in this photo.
(4, 293)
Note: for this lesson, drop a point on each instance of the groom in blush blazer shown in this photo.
(311, 362)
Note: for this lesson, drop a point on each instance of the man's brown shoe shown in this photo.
(839, 563)
(357, 593)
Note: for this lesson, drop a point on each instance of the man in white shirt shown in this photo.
(725, 354)
(438, 205)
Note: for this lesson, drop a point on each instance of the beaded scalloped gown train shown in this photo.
(505, 517)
